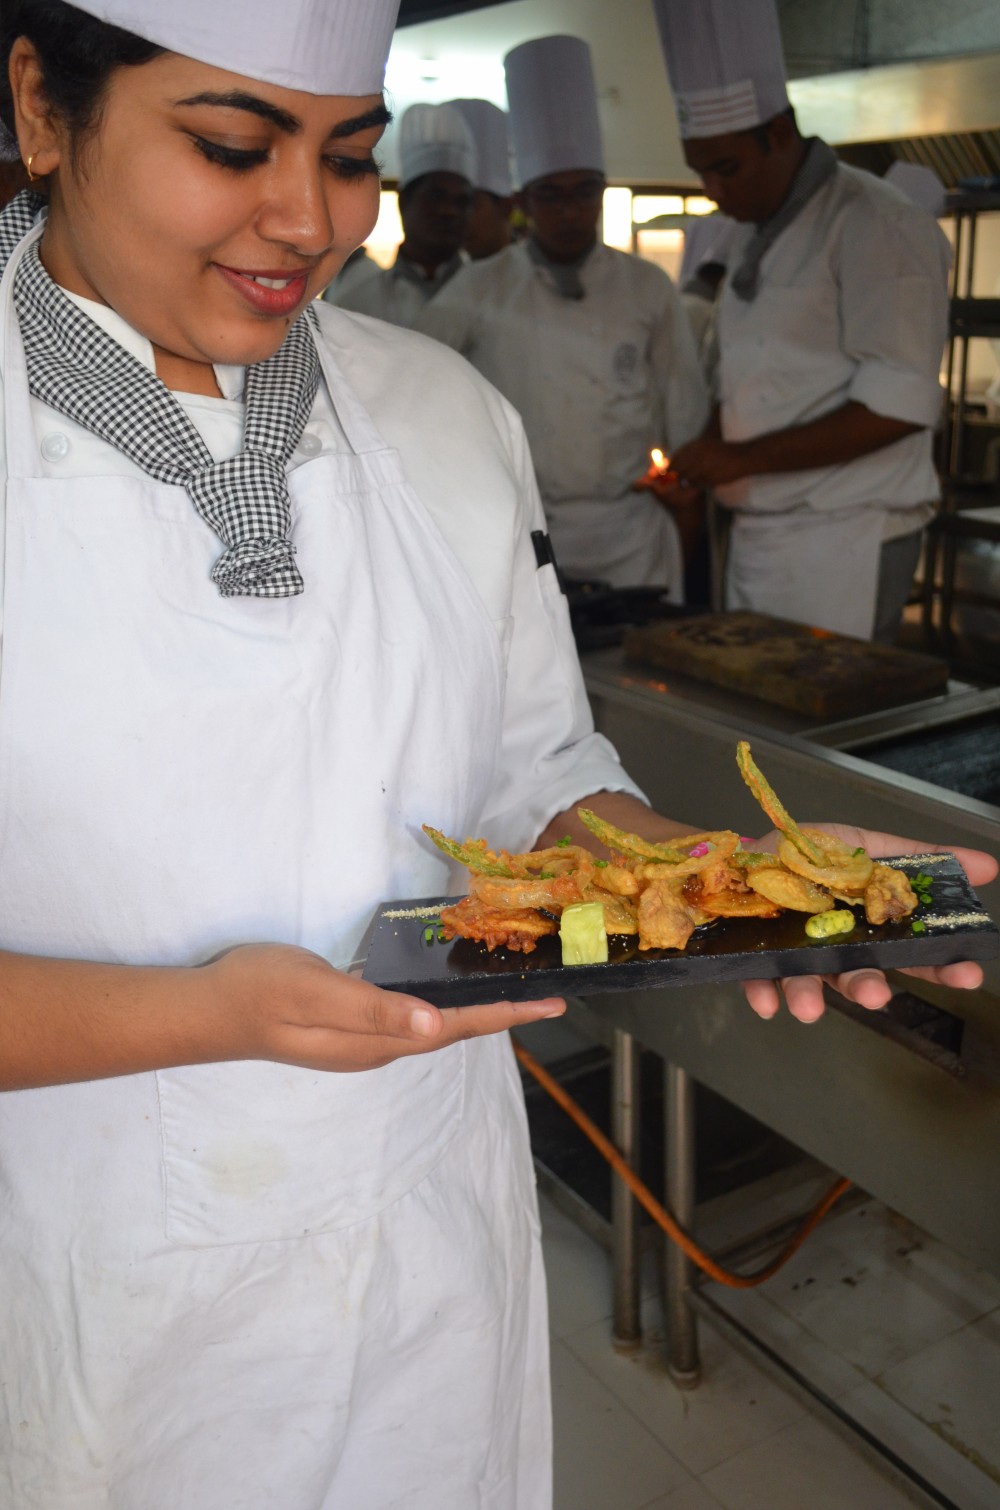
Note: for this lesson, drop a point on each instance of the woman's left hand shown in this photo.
(869, 988)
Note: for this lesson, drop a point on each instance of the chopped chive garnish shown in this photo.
(441, 937)
(859, 851)
(600, 864)
(428, 935)
(562, 843)
(918, 926)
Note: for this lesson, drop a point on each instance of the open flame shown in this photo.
(659, 461)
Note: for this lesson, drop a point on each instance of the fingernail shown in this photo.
(553, 1006)
(423, 1022)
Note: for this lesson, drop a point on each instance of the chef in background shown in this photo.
(707, 243)
(437, 164)
(590, 344)
(831, 324)
(488, 229)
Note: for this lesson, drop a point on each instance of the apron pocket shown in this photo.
(258, 1152)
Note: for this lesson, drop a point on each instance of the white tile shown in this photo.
(690, 1496)
(927, 1453)
(954, 1387)
(877, 1290)
(817, 1362)
(805, 1465)
(604, 1457)
(578, 1272)
(735, 1404)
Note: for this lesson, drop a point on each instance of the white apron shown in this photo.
(812, 567)
(249, 1286)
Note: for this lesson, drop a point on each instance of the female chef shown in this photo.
(254, 632)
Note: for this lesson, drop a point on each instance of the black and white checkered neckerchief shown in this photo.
(77, 368)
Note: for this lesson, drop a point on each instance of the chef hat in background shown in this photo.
(725, 61)
(707, 238)
(920, 184)
(435, 139)
(488, 124)
(319, 46)
(552, 98)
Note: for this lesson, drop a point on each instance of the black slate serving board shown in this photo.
(464, 974)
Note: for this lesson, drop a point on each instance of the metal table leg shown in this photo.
(683, 1361)
(627, 1330)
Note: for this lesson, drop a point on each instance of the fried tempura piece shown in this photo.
(552, 892)
(664, 920)
(727, 903)
(783, 821)
(888, 895)
(617, 879)
(844, 870)
(788, 890)
(630, 845)
(517, 929)
(619, 913)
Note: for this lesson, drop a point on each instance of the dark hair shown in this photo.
(78, 56)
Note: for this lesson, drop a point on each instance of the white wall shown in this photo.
(440, 60)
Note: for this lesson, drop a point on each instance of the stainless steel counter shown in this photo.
(918, 1130)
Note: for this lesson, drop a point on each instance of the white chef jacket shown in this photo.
(852, 305)
(598, 382)
(398, 293)
(551, 755)
(206, 1248)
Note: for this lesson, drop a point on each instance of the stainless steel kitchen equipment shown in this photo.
(904, 1103)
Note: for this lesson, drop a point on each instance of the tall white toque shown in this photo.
(488, 124)
(435, 139)
(319, 46)
(552, 99)
(725, 61)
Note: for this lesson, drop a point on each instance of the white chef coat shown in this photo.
(398, 293)
(249, 1285)
(598, 382)
(852, 305)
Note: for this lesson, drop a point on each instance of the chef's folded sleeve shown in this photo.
(896, 321)
(550, 756)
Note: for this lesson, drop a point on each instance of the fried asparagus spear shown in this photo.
(765, 795)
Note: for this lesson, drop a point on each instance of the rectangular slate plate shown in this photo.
(464, 974)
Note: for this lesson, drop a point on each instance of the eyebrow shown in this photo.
(235, 99)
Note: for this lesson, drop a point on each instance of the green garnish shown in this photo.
(918, 926)
(562, 843)
(428, 935)
(600, 864)
(856, 852)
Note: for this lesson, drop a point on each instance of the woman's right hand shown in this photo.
(275, 1001)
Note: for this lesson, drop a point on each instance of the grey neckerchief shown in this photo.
(818, 164)
(565, 276)
(77, 368)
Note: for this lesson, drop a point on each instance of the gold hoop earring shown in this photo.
(32, 178)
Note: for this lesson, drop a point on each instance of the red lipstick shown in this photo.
(264, 297)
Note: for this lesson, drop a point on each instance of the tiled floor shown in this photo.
(904, 1334)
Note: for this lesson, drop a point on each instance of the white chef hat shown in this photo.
(552, 98)
(319, 46)
(707, 238)
(726, 66)
(435, 139)
(488, 124)
(918, 183)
